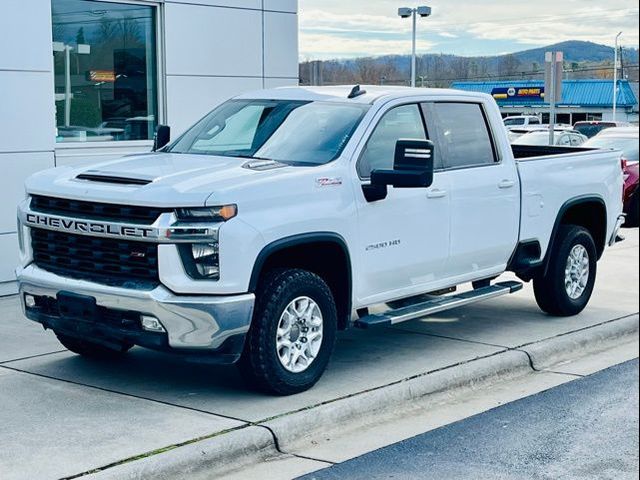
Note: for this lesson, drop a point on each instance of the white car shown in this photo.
(522, 121)
(285, 215)
(562, 138)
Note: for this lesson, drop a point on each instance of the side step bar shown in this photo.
(437, 305)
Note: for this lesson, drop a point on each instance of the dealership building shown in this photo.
(83, 81)
(582, 100)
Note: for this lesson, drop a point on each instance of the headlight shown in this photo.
(201, 260)
(207, 214)
(206, 259)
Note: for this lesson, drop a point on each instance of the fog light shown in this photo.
(152, 324)
(30, 301)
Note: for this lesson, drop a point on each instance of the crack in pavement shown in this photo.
(32, 356)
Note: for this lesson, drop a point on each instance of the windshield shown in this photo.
(592, 129)
(629, 146)
(294, 132)
(538, 138)
(509, 122)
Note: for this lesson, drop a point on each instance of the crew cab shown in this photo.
(285, 215)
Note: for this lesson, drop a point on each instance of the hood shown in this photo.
(153, 179)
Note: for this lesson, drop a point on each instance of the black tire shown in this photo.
(550, 291)
(260, 365)
(93, 350)
(632, 220)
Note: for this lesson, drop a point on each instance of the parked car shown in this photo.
(516, 132)
(625, 139)
(285, 214)
(562, 138)
(522, 121)
(591, 129)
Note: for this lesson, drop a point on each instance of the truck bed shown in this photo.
(552, 176)
(526, 152)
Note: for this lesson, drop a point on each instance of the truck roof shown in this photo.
(341, 93)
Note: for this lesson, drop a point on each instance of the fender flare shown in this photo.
(300, 240)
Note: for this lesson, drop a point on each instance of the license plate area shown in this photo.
(77, 307)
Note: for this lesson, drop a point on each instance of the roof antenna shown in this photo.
(356, 92)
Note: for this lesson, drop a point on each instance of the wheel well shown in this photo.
(592, 215)
(327, 258)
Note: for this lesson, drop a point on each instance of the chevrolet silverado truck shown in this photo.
(286, 215)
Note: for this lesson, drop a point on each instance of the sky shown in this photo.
(354, 28)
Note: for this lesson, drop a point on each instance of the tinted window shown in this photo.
(462, 136)
(534, 121)
(104, 59)
(509, 122)
(403, 122)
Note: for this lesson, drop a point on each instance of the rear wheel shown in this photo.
(292, 334)
(90, 349)
(566, 288)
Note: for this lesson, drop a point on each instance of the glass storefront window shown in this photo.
(105, 71)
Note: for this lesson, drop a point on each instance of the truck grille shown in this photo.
(102, 260)
(96, 211)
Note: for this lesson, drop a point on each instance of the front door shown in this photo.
(403, 242)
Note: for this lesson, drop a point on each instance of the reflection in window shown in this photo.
(105, 71)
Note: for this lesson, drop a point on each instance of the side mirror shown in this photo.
(412, 168)
(162, 137)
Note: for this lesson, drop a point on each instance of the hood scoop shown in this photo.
(113, 179)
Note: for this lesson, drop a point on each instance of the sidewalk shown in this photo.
(63, 416)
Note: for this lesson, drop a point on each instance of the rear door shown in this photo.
(485, 193)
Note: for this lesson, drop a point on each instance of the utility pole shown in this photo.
(615, 79)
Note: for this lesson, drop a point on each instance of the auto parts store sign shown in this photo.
(518, 93)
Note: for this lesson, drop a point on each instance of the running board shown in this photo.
(437, 305)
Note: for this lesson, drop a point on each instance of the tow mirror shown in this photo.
(412, 168)
(162, 137)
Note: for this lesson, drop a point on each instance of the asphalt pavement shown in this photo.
(585, 429)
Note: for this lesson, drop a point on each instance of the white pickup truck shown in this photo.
(284, 215)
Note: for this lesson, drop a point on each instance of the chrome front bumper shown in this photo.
(200, 323)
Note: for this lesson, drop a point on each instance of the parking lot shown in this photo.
(62, 415)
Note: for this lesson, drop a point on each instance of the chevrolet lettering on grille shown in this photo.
(84, 226)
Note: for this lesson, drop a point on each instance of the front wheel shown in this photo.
(292, 334)
(566, 288)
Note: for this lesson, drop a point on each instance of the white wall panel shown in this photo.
(27, 115)
(281, 5)
(190, 98)
(8, 262)
(255, 4)
(213, 41)
(281, 45)
(14, 170)
(25, 35)
(280, 82)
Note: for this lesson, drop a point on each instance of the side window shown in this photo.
(463, 138)
(534, 121)
(404, 122)
(564, 141)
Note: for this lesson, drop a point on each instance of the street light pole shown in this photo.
(413, 49)
(615, 79)
(413, 13)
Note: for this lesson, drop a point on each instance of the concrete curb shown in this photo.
(577, 344)
(198, 459)
(212, 457)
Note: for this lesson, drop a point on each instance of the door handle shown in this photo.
(506, 184)
(437, 193)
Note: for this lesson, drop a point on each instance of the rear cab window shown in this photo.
(461, 133)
